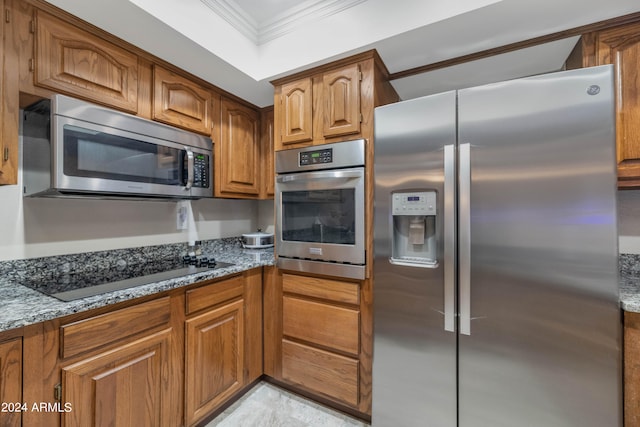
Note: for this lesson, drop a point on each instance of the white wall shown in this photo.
(36, 227)
(43, 227)
(629, 221)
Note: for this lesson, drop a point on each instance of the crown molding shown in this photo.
(281, 24)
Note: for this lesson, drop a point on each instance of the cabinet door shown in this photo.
(268, 171)
(238, 153)
(181, 102)
(341, 94)
(127, 386)
(11, 381)
(214, 359)
(75, 62)
(8, 143)
(297, 112)
(631, 369)
(621, 47)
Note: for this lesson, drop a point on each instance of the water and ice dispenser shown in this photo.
(414, 228)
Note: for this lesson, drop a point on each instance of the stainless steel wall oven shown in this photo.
(320, 200)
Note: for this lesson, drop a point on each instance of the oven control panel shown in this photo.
(316, 157)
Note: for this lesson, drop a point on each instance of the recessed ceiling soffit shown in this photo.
(284, 22)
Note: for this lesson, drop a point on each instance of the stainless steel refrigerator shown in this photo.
(495, 267)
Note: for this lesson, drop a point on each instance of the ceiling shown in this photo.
(241, 45)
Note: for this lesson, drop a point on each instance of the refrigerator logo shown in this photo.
(593, 90)
(315, 251)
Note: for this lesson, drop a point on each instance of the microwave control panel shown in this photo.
(200, 171)
(316, 157)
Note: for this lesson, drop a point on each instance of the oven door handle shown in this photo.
(317, 176)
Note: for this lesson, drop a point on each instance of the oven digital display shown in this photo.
(308, 158)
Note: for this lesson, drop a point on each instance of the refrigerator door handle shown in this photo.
(464, 247)
(449, 237)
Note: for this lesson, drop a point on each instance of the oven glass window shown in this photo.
(88, 153)
(319, 216)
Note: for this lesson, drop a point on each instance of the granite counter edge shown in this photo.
(27, 307)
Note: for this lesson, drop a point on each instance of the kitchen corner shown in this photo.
(468, 261)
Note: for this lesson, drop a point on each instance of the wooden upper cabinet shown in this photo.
(341, 93)
(621, 47)
(9, 110)
(181, 102)
(328, 104)
(297, 111)
(78, 63)
(237, 155)
(268, 167)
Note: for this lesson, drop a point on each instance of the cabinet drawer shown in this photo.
(213, 294)
(326, 325)
(333, 375)
(332, 290)
(109, 328)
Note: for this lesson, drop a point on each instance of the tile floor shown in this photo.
(266, 405)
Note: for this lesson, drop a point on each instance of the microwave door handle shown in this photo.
(190, 167)
(318, 176)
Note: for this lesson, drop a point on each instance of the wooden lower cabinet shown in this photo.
(11, 382)
(119, 368)
(223, 342)
(214, 359)
(314, 338)
(125, 386)
(171, 361)
(631, 369)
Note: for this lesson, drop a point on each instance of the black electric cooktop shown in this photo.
(76, 285)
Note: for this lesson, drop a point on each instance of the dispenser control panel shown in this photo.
(414, 203)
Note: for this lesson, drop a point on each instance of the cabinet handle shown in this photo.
(57, 392)
(5, 155)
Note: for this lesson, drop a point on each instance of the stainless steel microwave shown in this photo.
(75, 148)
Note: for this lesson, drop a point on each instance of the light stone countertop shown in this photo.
(22, 306)
(629, 282)
(630, 292)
